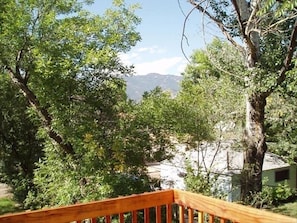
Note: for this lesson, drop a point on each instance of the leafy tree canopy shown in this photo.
(65, 62)
(58, 54)
(215, 74)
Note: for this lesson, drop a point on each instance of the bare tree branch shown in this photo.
(43, 113)
(184, 36)
(218, 23)
(239, 19)
(287, 62)
(273, 26)
(179, 5)
(248, 28)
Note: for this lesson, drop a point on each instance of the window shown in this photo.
(282, 175)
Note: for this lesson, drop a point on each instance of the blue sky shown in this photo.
(161, 32)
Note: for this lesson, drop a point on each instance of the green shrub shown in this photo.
(7, 205)
(272, 196)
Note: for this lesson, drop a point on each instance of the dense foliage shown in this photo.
(208, 73)
(214, 73)
(64, 61)
(61, 65)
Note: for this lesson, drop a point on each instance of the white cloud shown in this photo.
(182, 66)
(139, 53)
(144, 61)
(151, 50)
(162, 66)
(128, 58)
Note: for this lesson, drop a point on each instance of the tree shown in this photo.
(268, 57)
(210, 73)
(224, 105)
(54, 51)
(113, 154)
(65, 62)
(183, 117)
(19, 147)
(280, 125)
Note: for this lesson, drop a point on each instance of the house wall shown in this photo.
(171, 177)
(267, 174)
(270, 175)
(236, 188)
(224, 185)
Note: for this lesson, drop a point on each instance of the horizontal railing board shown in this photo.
(92, 209)
(114, 206)
(228, 210)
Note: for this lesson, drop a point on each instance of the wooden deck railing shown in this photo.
(161, 206)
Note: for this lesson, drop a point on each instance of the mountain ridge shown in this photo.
(138, 84)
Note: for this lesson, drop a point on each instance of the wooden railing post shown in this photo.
(169, 213)
(200, 217)
(134, 216)
(121, 218)
(158, 214)
(190, 215)
(146, 215)
(222, 220)
(107, 219)
(211, 218)
(182, 214)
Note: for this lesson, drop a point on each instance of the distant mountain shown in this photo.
(138, 84)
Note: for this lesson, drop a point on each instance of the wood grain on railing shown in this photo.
(228, 211)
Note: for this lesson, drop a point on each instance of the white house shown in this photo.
(226, 163)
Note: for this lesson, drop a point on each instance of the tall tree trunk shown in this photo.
(251, 179)
(254, 137)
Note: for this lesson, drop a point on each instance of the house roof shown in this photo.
(219, 158)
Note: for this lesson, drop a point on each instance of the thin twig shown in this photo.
(270, 28)
(184, 36)
(287, 62)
